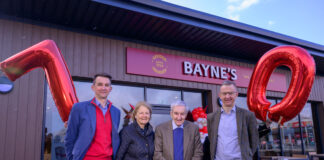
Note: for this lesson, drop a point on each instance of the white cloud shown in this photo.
(271, 23)
(231, 1)
(247, 3)
(235, 17)
(235, 6)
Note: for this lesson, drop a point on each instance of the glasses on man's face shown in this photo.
(227, 93)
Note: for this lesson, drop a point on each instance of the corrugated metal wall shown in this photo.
(21, 111)
(21, 114)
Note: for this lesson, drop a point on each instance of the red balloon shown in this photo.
(302, 66)
(203, 130)
(198, 113)
(47, 56)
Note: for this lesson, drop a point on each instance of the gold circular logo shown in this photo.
(159, 64)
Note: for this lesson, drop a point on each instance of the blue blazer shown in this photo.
(81, 130)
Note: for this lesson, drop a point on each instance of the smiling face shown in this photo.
(228, 94)
(178, 114)
(101, 87)
(143, 116)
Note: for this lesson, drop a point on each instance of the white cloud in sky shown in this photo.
(235, 6)
(234, 17)
(230, 1)
(271, 23)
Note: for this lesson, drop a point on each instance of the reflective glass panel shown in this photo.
(241, 102)
(121, 96)
(308, 128)
(161, 96)
(54, 131)
(193, 99)
(270, 143)
(159, 118)
(290, 136)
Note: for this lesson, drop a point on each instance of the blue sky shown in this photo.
(302, 19)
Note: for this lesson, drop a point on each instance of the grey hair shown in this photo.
(179, 103)
(228, 82)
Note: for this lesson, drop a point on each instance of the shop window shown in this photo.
(291, 137)
(241, 102)
(308, 128)
(162, 97)
(273, 139)
(54, 131)
(122, 96)
(193, 99)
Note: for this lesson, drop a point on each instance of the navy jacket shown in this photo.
(81, 130)
(136, 144)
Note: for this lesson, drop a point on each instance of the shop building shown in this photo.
(155, 51)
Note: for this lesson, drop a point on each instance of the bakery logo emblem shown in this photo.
(159, 64)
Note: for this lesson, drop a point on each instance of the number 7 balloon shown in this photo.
(47, 56)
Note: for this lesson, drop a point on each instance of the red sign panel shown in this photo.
(142, 62)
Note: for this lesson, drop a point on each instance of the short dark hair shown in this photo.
(101, 75)
(228, 82)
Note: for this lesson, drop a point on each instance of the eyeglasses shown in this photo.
(228, 93)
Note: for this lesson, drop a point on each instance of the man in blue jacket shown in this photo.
(92, 131)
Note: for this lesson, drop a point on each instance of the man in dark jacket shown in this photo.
(232, 131)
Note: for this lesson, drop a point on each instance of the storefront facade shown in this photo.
(32, 128)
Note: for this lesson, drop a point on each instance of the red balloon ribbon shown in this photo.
(47, 56)
(302, 66)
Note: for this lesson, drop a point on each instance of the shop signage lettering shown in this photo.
(154, 64)
(209, 71)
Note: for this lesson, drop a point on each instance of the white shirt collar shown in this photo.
(233, 109)
(174, 126)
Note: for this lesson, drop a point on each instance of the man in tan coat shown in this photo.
(177, 139)
(232, 131)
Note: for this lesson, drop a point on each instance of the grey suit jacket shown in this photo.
(246, 130)
(192, 147)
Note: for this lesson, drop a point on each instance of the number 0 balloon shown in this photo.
(302, 68)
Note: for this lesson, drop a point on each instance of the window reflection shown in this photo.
(121, 96)
(159, 118)
(270, 143)
(290, 136)
(193, 99)
(162, 97)
(308, 128)
(241, 102)
(54, 131)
